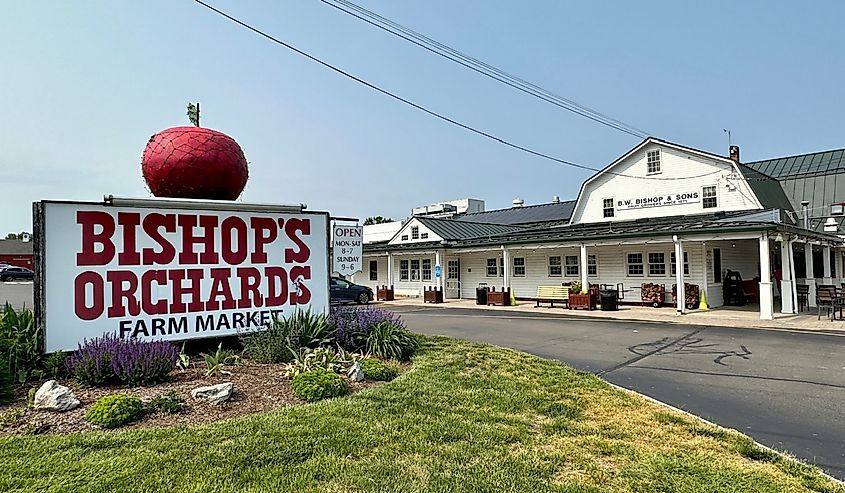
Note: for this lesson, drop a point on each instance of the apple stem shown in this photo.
(194, 113)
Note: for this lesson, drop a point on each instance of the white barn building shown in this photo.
(662, 213)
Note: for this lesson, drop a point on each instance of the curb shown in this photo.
(702, 420)
(564, 315)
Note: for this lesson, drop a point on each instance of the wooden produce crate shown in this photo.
(653, 294)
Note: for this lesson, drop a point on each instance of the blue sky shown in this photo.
(84, 84)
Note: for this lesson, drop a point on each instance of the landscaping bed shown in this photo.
(465, 417)
(257, 388)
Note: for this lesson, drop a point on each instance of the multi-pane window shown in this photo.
(555, 266)
(607, 206)
(492, 267)
(374, 270)
(571, 265)
(426, 269)
(404, 237)
(452, 269)
(415, 232)
(708, 197)
(403, 270)
(424, 236)
(657, 264)
(592, 266)
(415, 270)
(653, 161)
(519, 266)
(686, 263)
(635, 264)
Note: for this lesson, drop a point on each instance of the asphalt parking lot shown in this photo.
(18, 294)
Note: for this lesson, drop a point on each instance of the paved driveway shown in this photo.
(18, 294)
(785, 389)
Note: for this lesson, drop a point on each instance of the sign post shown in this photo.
(347, 249)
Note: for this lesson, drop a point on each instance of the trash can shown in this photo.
(481, 294)
(609, 300)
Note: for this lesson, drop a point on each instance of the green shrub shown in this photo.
(389, 341)
(214, 363)
(279, 342)
(54, 365)
(376, 369)
(170, 402)
(115, 410)
(19, 338)
(5, 381)
(318, 384)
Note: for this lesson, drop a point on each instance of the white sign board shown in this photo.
(176, 274)
(347, 249)
(658, 200)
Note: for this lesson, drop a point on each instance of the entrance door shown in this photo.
(453, 279)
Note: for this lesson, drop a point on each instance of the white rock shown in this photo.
(215, 394)
(355, 372)
(54, 397)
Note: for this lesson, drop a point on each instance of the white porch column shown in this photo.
(680, 292)
(585, 282)
(389, 270)
(826, 275)
(811, 280)
(766, 301)
(787, 281)
(506, 259)
(704, 272)
(437, 260)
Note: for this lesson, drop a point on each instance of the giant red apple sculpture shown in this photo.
(194, 163)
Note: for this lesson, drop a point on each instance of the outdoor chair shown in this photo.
(825, 296)
(803, 293)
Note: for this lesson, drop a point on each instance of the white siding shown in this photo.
(363, 278)
(411, 288)
(431, 236)
(733, 192)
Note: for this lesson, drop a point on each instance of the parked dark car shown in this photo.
(343, 290)
(13, 273)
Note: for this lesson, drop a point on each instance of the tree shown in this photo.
(377, 220)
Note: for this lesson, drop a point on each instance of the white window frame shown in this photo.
(648, 162)
(415, 232)
(403, 270)
(686, 263)
(605, 208)
(415, 272)
(594, 265)
(715, 197)
(628, 264)
(521, 265)
(423, 236)
(487, 266)
(426, 271)
(550, 266)
(576, 266)
(649, 263)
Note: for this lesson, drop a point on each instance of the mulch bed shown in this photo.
(257, 388)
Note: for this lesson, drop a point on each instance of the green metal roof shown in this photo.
(450, 229)
(816, 163)
(768, 190)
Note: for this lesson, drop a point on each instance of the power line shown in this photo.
(432, 112)
(479, 66)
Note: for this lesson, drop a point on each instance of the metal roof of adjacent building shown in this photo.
(15, 247)
(768, 190)
(814, 163)
(555, 212)
(452, 229)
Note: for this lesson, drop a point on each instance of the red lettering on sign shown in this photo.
(220, 287)
(277, 286)
(81, 308)
(89, 254)
(152, 223)
(129, 221)
(265, 233)
(177, 305)
(120, 292)
(292, 226)
(301, 295)
(147, 279)
(234, 254)
(250, 281)
(208, 223)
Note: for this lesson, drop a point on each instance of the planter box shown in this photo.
(582, 302)
(433, 296)
(501, 298)
(384, 293)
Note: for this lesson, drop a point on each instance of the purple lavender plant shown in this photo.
(144, 363)
(109, 359)
(354, 324)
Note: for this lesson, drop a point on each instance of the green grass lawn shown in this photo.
(467, 417)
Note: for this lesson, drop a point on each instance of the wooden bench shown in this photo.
(550, 294)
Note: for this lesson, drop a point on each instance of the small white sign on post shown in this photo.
(347, 249)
